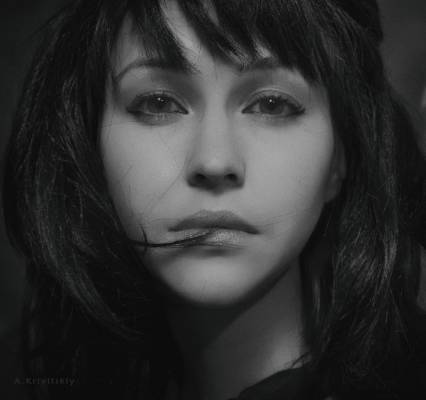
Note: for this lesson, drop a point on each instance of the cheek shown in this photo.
(139, 169)
(290, 186)
(297, 177)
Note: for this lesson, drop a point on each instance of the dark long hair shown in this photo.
(92, 311)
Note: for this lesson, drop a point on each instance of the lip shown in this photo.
(214, 220)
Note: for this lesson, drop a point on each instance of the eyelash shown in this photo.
(140, 107)
(294, 108)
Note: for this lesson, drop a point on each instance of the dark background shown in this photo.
(404, 51)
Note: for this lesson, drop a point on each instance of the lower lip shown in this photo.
(221, 238)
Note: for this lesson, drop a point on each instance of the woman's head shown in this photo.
(278, 111)
(223, 60)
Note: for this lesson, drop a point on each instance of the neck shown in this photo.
(224, 351)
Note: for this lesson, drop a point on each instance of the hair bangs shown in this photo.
(237, 31)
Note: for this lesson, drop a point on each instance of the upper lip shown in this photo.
(214, 220)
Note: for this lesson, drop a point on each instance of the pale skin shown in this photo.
(262, 142)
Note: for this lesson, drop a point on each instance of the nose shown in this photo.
(215, 163)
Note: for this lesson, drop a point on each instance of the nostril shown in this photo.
(215, 180)
(233, 178)
(200, 178)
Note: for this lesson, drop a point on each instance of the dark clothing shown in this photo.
(299, 384)
(292, 384)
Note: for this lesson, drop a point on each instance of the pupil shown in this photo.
(159, 104)
(272, 105)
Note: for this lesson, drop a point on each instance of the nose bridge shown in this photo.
(216, 160)
(215, 142)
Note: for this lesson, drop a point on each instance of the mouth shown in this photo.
(222, 223)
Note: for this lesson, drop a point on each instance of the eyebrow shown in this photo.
(170, 65)
(258, 64)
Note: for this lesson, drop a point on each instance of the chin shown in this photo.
(214, 282)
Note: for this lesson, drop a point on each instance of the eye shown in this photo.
(274, 105)
(156, 107)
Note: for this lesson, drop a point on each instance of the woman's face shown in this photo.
(246, 154)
